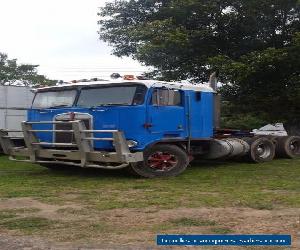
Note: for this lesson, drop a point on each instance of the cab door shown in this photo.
(166, 112)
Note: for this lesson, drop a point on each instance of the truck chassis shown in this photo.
(163, 159)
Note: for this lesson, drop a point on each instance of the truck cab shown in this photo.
(145, 112)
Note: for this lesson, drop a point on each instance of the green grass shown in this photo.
(268, 186)
(12, 213)
(7, 215)
(28, 225)
(207, 184)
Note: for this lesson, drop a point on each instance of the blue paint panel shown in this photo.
(167, 119)
(201, 115)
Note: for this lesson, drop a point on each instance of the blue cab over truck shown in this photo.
(152, 128)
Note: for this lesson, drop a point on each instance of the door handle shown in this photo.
(97, 110)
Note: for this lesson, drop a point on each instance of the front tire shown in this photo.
(163, 160)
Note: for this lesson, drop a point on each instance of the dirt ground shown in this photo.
(122, 221)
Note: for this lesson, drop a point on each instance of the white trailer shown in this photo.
(14, 101)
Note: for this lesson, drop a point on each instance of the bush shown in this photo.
(242, 121)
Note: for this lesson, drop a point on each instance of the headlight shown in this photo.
(132, 143)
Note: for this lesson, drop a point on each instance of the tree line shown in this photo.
(25, 74)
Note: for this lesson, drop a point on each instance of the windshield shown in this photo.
(114, 95)
(54, 99)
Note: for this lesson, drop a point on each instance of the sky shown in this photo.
(60, 36)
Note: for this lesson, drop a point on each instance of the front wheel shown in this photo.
(164, 160)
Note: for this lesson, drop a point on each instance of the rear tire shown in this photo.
(163, 160)
(288, 147)
(262, 149)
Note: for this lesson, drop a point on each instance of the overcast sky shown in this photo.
(61, 36)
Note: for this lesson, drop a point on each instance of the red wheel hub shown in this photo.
(162, 161)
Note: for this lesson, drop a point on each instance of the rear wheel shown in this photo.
(288, 146)
(262, 149)
(163, 160)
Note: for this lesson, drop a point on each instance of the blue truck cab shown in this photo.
(148, 126)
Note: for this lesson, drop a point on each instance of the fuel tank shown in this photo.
(227, 148)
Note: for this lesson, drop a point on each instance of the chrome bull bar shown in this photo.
(80, 153)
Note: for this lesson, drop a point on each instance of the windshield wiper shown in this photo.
(58, 106)
(115, 104)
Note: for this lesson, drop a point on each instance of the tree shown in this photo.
(250, 42)
(178, 37)
(11, 72)
(264, 83)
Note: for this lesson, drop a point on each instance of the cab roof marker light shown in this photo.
(142, 77)
(115, 76)
(84, 80)
(129, 77)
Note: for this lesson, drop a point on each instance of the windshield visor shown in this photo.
(54, 99)
(112, 96)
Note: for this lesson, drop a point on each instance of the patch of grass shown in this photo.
(181, 222)
(205, 184)
(28, 224)
(192, 222)
(162, 228)
(261, 205)
(73, 211)
(12, 213)
(142, 186)
(151, 211)
(25, 210)
(6, 214)
(221, 230)
(81, 230)
(99, 227)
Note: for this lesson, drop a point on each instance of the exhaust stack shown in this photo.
(213, 83)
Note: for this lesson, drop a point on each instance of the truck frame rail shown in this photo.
(78, 153)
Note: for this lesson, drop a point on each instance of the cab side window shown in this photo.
(166, 97)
